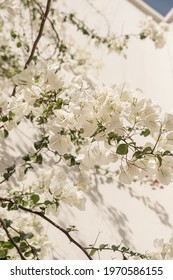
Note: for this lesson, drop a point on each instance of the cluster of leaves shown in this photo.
(125, 252)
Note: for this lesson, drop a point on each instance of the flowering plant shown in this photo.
(80, 127)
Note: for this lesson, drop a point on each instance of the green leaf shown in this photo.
(35, 250)
(10, 205)
(142, 35)
(19, 44)
(3, 254)
(17, 239)
(115, 248)
(147, 150)
(41, 143)
(38, 145)
(167, 153)
(159, 159)
(28, 235)
(145, 132)
(39, 159)
(35, 198)
(92, 252)
(11, 168)
(59, 103)
(112, 136)
(124, 249)
(13, 34)
(27, 254)
(6, 133)
(10, 115)
(26, 158)
(7, 223)
(6, 176)
(48, 202)
(23, 246)
(8, 245)
(122, 149)
(138, 154)
(4, 119)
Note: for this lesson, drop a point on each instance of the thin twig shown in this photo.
(39, 33)
(45, 15)
(50, 21)
(52, 223)
(11, 239)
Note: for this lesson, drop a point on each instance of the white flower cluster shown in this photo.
(164, 250)
(95, 125)
(55, 184)
(154, 31)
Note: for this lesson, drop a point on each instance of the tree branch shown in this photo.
(39, 34)
(11, 239)
(52, 223)
(45, 15)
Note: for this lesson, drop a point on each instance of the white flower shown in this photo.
(168, 121)
(73, 197)
(163, 175)
(3, 103)
(93, 154)
(156, 32)
(169, 138)
(128, 173)
(61, 144)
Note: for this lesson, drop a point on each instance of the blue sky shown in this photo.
(161, 6)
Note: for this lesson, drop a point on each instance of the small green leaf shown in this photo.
(17, 239)
(11, 168)
(35, 198)
(23, 246)
(59, 103)
(7, 223)
(92, 252)
(138, 154)
(122, 149)
(13, 34)
(35, 250)
(7, 176)
(39, 159)
(26, 158)
(167, 153)
(159, 160)
(147, 150)
(145, 132)
(19, 44)
(115, 248)
(48, 202)
(4, 119)
(8, 245)
(27, 254)
(38, 145)
(6, 133)
(28, 235)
